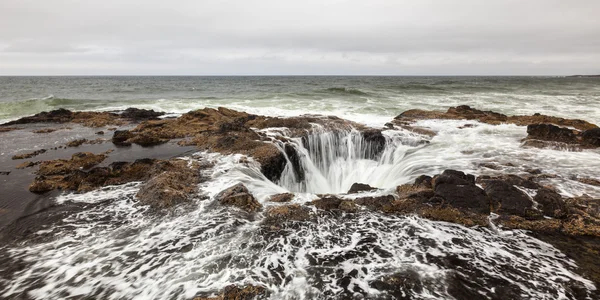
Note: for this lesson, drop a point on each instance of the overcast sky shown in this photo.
(370, 37)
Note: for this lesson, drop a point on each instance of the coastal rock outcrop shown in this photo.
(175, 183)
(239, 196)
(86, 118)
(465, 112)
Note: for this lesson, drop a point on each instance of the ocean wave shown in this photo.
(346, 91)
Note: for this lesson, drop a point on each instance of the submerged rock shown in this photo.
(29, 155)
(239, 195)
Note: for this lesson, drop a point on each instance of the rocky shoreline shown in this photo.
(507, 201)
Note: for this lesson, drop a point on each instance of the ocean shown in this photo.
(369, 100)
(117, 249)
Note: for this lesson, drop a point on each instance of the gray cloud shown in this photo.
(302, 37)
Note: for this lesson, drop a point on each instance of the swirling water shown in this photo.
(117, 249)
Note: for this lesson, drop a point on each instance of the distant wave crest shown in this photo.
(346, 91)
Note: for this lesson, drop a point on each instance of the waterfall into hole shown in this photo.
(330, 161)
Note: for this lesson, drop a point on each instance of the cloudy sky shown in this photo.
(251, 37)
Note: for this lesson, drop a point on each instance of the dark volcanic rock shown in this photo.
(233, 292)
(375, 140)
(591, 137)
(170, 187)
(120, 137)
(379, 203)
(238, 195)
(335, 203)
(137, 114)
(459, 190)
(508, 199)
(552, 203)
(511, 179)
(549, 132)
(424, 181)
(285, 197)
(453, 177)
(145, 140)
(360, 187)
(277, 216)
(60, 115)
(469, 197)
(464, 112)
(402, 286)
(294, 158)
(29, 155)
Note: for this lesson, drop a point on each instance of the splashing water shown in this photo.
(117, 249)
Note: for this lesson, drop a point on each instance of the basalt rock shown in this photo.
(176, 184)
(233, 292)
(591, 137)
(464, 112)
(375, 141)
(78, 174)
(335, 203)
(60, 115)
(468, 197)
(512, 179)
(121, 137)
(589, 181)
(7, 129)
(145, 140)
(239, 196)
(360, 187)
(453, 177)
(29, 155)
(278, 216)
(507, 199)
(285, 197)
(56, 173)
(377, 203)
(78, 161)
(89, 119)
(294, 158)
(551, 202)
(137, 114)
(549, 132)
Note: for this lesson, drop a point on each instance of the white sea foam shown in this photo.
(119, 250)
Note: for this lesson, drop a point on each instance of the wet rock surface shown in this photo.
(507, 199)
(239, 196)
(360, 187)
(175, 182)
(464, 112)
(571, 224)
(233, 292)
(285, 197)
